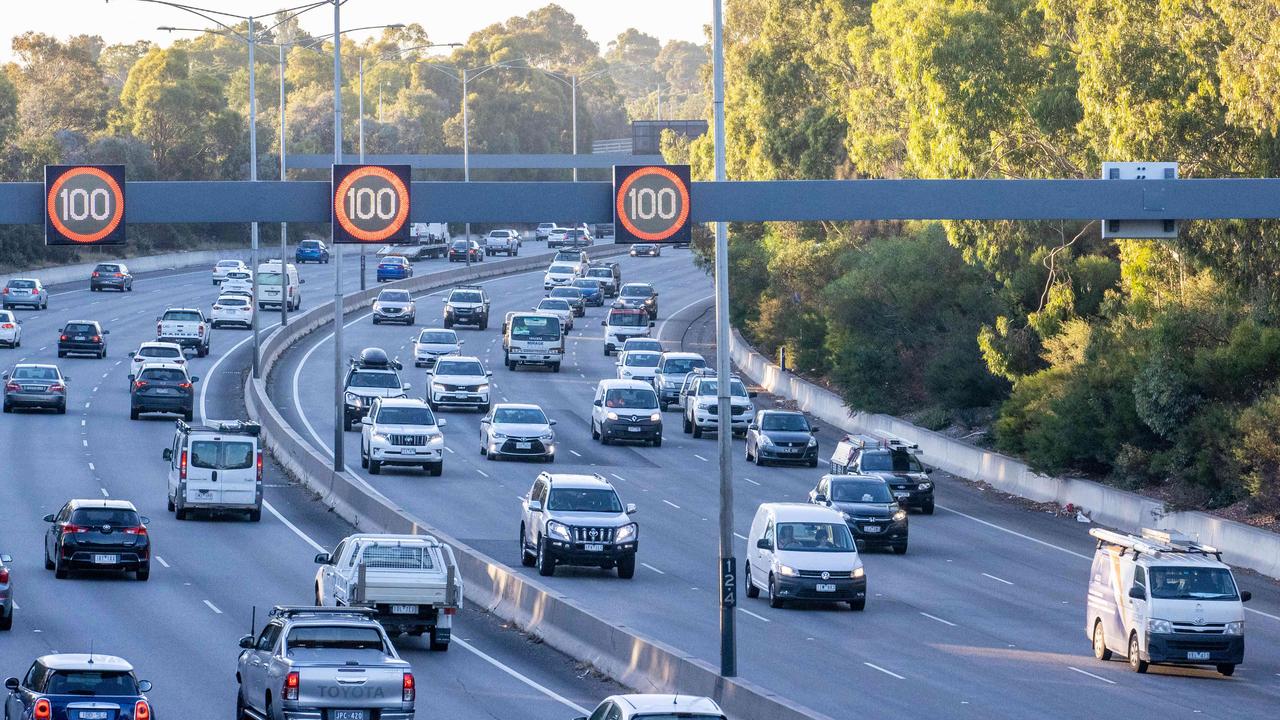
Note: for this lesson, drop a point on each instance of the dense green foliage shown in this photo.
(1152, 363)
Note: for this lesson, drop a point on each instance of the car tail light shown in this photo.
(140, 530)
(70, 529)
(451, 611)
(62, 337)
(43, 710)
(4, 575)
(141, 710)
(97, 338)
(95, 273)
(56, 388)
(182, 466)
(259, 466)
(119, 275)
(290, 690)
(7, 326)
(13, 387)
(408, 688)
(158, 328)
(139, 384)
(6, 291)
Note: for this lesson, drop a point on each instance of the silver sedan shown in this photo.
(33, 385)
(517, 430)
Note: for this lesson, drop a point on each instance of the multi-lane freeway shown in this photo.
(983, 617)
(180, 628)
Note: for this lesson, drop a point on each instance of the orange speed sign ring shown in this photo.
(651, 202)
(84, 204)
(370, 202)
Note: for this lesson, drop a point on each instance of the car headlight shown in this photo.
(1234, 628)
(515, 348)
(858, 572)
(483, 387)
(611, 415)
(813, 442)
(376, 307)
(788, 571)
(626, 532)
(924, 486)
(1156, 626)
(435, 440)
(499, 436)
(549, 437)
(437, 387)
(354, 399)
(765, 439)
(900, 516)
(656, 417)
(846, 515)
(558, 530)
(378, 437)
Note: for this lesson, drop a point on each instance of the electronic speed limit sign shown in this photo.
(370, 203)
(84, 205)
(651, 203)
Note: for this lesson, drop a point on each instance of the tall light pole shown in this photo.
(727, 571)
(339, 415)
(284, 176)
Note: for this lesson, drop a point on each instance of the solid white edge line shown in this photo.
(873, 666)
(213, 607)
(758, 617)
(663, 327)
(935, 617)
(1016, 533)
(575, 453)
(1095, 677)
(993, 577)
(485, 474)
(1264, 614)
(515, 674)
(700, 457)
(618, 476)
(296, 531)
(753, 482)
(653, 568)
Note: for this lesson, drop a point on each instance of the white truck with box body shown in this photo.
(532, 338)
(411, 582)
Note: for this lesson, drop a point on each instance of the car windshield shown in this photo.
(459, 367)
(584, 500)
(642, 359)
(22, 283)
(181, 316)
(600, 273)
(520, 416)
(158, 375)
(890, 461)
(460, 245)
(269, 278)
(634, 319)
(787, 422)
(1192, 583)
(642, 344)
(708, 387)
(679, 366)
(677, 716)
(228, 263)
(438, 337)
(97, 517)
(370, 379)
(222, 454)
(394, 261)
(636, 290)
(527, 327)
(560, 269)
(335, 637)
(587, 284)
(35, 373)
(468, 296)
(80, 328)
(310, 245)
(91, 683)
(406, 416)
(568, 293)
(393, 296)
(643, 398)
(159, 352)
(814, 537)
(232, 300)
(861, 491)
(554, 304)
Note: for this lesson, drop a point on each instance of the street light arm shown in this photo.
(300, 10)
(200, 12)
(321, 38)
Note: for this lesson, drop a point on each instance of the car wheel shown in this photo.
(59, 570)
(775, 600)
(546, 562)
(1226, 669)
(364, 459)
(927, 508)
(686, 425)
(168, 503)
(133, 413)
(594, 434)
(663, 406)
(606, 351)
(144, 574)
(255, 515)
(858, 605)
(752, 591)
(61, 354)
(492, 456)
(627, 567)
(180, 513)
(526, 559)
(375, 321)
(48, 564)
(695, 429)
(657, 442)
(813, 463)
(375, 467)
(436, 469)
(1100, 651)
(188, 415)
(6, 623)
(1136, 663)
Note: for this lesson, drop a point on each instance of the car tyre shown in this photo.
(595, 435)
(375, 467)
(752, 591)
(686, 425)
(1100, 651)
(48, 564)
(1136, 663)
(900, 549)
(927, 508)
(364, 459)
(188, 415)
(435, 469)
(168, 503)
(663, 406)
(775, 600)
(858, 605)
(526, 559)
(627, 567)
(546, 562)
(555, 368)
(1226, 669)
(133, 413)
(144, 574)
(695, 429)
(59, 571)
(6, 623)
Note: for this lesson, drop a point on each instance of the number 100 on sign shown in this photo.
(84, 204)
(651, 203)
(370, 203)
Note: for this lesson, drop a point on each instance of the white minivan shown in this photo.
(276, 286)
(1164, 598)
(215, 467)
(797, 551)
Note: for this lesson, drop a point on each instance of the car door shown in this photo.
(344, 578)
(532, 520)
(175, 447)
(324, 595)
(1137, 608)
(486, 425)
(763, 557)
(203, 464)
(259, 663)
(54, 533)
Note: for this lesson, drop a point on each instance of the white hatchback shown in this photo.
(222, 267)
(153, 352)
(638, 365)
(232, 309)
(10, 329)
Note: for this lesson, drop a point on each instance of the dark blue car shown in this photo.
(74, 686)
(592, 293)
(311, 251)
(394, 267)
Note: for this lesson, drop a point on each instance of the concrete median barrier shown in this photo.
(633, 660)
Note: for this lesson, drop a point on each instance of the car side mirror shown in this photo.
(928, 471)
(1137, 593)
(764, 544)
(6, 558)
(631, 508)
(820, 498)
(650, 323)
(813, 431)
(596, 403)
(441, 422)
(488, 373)
(132, 377)
(535, 506)
(131, 353)
(246, 642)
(144, 686)
(195, 378)
(551, 422)
(11, 684)
(302, 281)
(167, 454)
(106, 332)
(323, 558)
(1245, 595)
(366, 420)
(752, 426)
(48, 518)
(604, 323)
(751, 393)
(407, 387)
(146, 520)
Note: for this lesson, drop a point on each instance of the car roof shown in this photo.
(682, 355)
(642, 352)
(834, 477)
(35, 365)
(85, 661)
(230, 295)
(157, 343)
(403, 402)
(460, 357)
(516, 406)
(577, 480)
(85, 322)
(611, 384)
(161, 365)
(782, 412)
(181, 309)
(802, 512)
(102, 503)
(661, 703)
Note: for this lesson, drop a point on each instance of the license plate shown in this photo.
(593, 547)
(901, 495)
(104, 559)
(404, 609)
(165, 391)
(409, 451)
(523, 446)
(633, 428)
(93, 715)
(348, 715)
(1198, 655)
(826, 587)
(870, 528)
(32, 388)
(80, 337)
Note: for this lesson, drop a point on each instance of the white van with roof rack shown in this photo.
(1163, 597)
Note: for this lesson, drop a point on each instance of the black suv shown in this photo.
(83, 337)
(97, 535)
(467, 305)
(162, 388)
(866, 501)
(640, 296)
(111, 275)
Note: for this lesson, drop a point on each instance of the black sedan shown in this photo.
(83, 337)
(868, 507)
(781, 436)
(97, 535)
(646, 250)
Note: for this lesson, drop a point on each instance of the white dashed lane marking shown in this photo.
(671, 504)
(213, 607)
(993, 577)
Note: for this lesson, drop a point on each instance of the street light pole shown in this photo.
(574, 108)
(253, 177)
(466, 156)
(284, 175)
(727, 572)
(362, 281)
(339, 419)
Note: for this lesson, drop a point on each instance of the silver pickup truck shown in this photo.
(312, 663)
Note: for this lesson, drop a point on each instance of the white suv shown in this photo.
(401, 431)
(701, 406)
(636, 707)
(560, 273)
(232, 309)
(459, 380)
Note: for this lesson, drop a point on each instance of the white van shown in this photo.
(797, 551)
(1164, 598)
(215, 467)
(275, 286)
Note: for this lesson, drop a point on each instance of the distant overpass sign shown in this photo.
(370, 203)
(651, 203)
(84, 205)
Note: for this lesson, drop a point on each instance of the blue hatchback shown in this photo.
(73, 686)
(311, 251)
(592, 293)
(394, 267)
